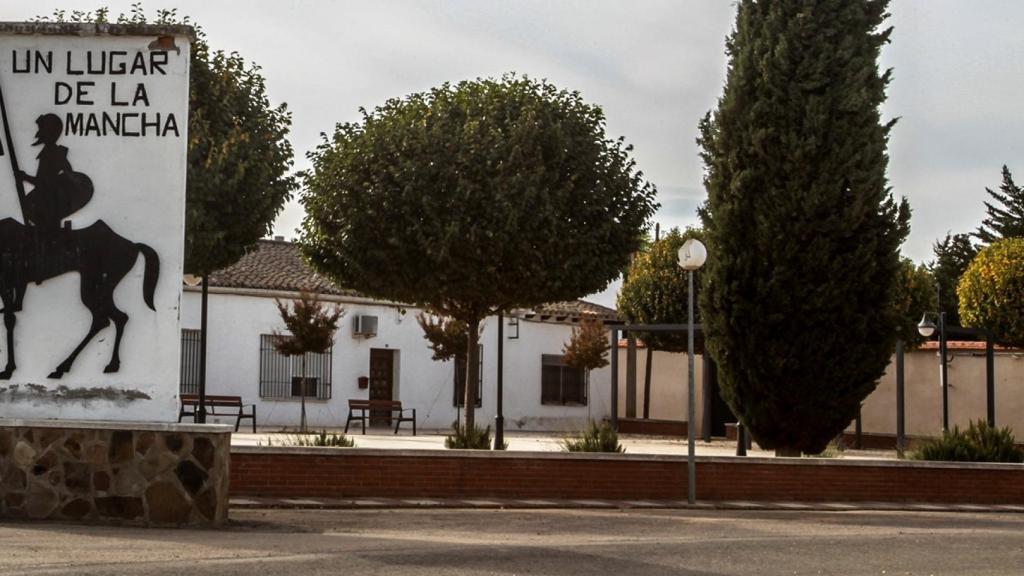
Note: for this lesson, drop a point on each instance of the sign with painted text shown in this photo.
(92, 218)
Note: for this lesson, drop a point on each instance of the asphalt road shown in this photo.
(535, 542)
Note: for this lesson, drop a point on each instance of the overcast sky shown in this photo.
(654, 66)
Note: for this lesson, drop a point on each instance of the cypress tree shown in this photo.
(1005, 214)
(953, 255)
(803, 232)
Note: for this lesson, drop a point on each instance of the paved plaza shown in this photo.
(535, 542)
(381, 438)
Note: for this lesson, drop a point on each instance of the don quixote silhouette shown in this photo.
(40, 247)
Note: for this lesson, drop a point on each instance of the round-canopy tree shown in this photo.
(475, 198)
(803, 233)
(655, 290)
(991, 291)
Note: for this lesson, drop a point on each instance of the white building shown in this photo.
(393, 363)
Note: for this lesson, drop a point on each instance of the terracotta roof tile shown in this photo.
(275, 265)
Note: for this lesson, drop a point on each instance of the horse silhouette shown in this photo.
(29, 254)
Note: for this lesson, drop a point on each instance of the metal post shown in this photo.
(614, 332)
(900, 426)
(858, 433)
(201, 409)
(499, 419)
(691, 463)
(706, 379)
(990, 380)
(944, 373)
(647, 380)
(630, 375)
(741, 439)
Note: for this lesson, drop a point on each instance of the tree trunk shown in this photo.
(472, 371)
(647, 382)
(787, 452)
(302, 419)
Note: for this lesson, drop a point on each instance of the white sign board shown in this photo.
(92, 219)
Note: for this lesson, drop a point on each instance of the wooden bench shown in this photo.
(392, 407)
(212, 403)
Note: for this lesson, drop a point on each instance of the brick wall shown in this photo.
(351, 473)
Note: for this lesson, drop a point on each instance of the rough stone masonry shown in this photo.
(147, 474)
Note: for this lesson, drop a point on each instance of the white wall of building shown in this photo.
(233, 365)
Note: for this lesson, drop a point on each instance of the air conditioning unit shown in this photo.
(364, 326)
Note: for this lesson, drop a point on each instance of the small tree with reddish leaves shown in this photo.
(311, 325)
(587, 348)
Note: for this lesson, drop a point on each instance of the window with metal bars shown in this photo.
(460, 381)
(281, 376)
(561, 384)
(189, 382)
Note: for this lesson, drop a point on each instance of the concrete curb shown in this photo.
(585, 504)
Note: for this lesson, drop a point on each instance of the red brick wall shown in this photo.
(286, 472)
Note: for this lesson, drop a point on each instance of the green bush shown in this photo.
(979, 443)
(320, 439)
(469, 439)
(595, 438)
(991, 291)
(834, 449)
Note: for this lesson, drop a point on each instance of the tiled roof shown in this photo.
(963, 345)
(278, 265)
(575, 309)
(275, 265)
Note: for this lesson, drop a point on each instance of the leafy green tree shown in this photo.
(1005, 213)
(655, 290)
(953, 255)
(311, 325)
(915, 295)
(802, 230)
(992, 291)
(475, 198)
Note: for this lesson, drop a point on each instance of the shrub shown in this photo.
(834, 449)
(320, 439)
(991, 291)
(473, 438)
(595, 438)
(979, 443)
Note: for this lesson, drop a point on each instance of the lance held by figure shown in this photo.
(40, 248)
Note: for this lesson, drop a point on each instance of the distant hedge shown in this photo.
(991, 291)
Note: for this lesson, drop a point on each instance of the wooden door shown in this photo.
(382, 383)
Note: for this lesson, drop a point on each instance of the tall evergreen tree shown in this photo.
(1005, 214)
(803, 233)
(953, 255)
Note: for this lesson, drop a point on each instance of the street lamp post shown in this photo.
(692, 255)
(926, 328)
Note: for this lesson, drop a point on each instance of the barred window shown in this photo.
(281, 376)
(460, 381)
(561, 384)
(190, 350)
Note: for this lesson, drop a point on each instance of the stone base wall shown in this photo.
(147, 474)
